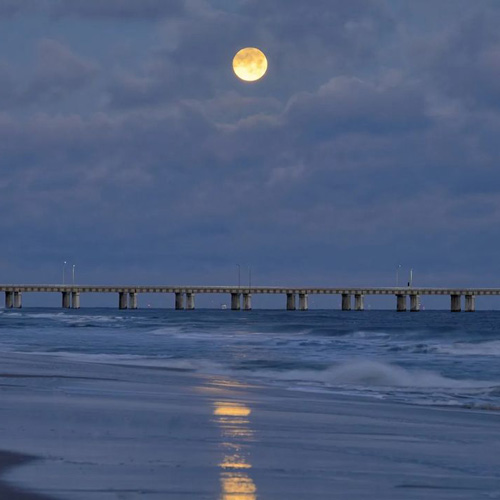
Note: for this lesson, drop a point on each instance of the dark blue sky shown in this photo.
(129, 148)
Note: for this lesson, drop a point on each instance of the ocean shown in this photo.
(430, 358)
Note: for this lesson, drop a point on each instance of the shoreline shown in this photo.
(118, 431)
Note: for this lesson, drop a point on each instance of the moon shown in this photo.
(250, 64)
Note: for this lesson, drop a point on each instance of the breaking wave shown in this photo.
(377, 374)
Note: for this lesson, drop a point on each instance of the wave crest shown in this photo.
(377, 374)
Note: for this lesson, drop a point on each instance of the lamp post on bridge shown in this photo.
(397, 274)
(64, 273)
(239, 275)
(73, 274)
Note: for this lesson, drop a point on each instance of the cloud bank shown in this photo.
(371, 142)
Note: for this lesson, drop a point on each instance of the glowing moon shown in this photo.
(250, 64)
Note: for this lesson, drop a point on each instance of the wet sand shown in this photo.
(9, 460)
(122, 432)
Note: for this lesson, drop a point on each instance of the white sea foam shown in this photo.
(377, 374)
(362, 334)
(490, 348)
(66, 318)
(355, 373)
(172, 331)
(167, 363)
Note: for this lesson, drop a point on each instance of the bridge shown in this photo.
(241, 297)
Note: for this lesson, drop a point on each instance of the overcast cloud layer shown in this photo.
(130, 149)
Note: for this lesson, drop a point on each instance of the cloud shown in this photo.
(464, 61)
(9, 8)
(345, 104)
(118, 9)
(195, 62)
(127, 10)
(59, 71)
(370, 138)
(337, 33)
(7, 85)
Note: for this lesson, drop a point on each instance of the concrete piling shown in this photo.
(346, 302)
(66, 296)
(190, 301)
(303, 302)
(247, 301)
(132, 300)
(414, 303)
(9, 300)
(470, 303)
(290, 302)
(235, 301)
(75, 300)
(18, 300)
(359, 302)
(122, 300)
(179, 301)
(401, 303)
(456, 303)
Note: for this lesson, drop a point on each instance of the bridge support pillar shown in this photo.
(303, 302)
(18, 300)
(179, 301)
(456, 303)
(235, 301)
(66, 297)
(247, 301)
(414, 303)
(75, 300)
(190, 301)
(346, 302)
(9, 300)
(122, 300)
(290, 302)
(470, 303)
(132, 300)
(401, 303)
(359, 302)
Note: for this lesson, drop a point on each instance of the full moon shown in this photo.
(250, 64)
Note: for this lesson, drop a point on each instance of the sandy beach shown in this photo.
(103, 431)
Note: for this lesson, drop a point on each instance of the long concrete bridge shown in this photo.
(184, 296)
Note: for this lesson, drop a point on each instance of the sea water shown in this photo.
(429, 358)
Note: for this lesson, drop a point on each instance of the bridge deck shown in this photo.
(252, 290)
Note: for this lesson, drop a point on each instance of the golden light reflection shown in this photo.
(237, 486)
(231, 409)
(220, 386)
(235, 462)
(250, 64)
(227, 383)
(233, 420)
(238, 433)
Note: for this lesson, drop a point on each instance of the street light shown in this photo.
(410, 283)
(73, 273)
(397, 274)
(249, 277)
(239, 275)
(64, 272)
